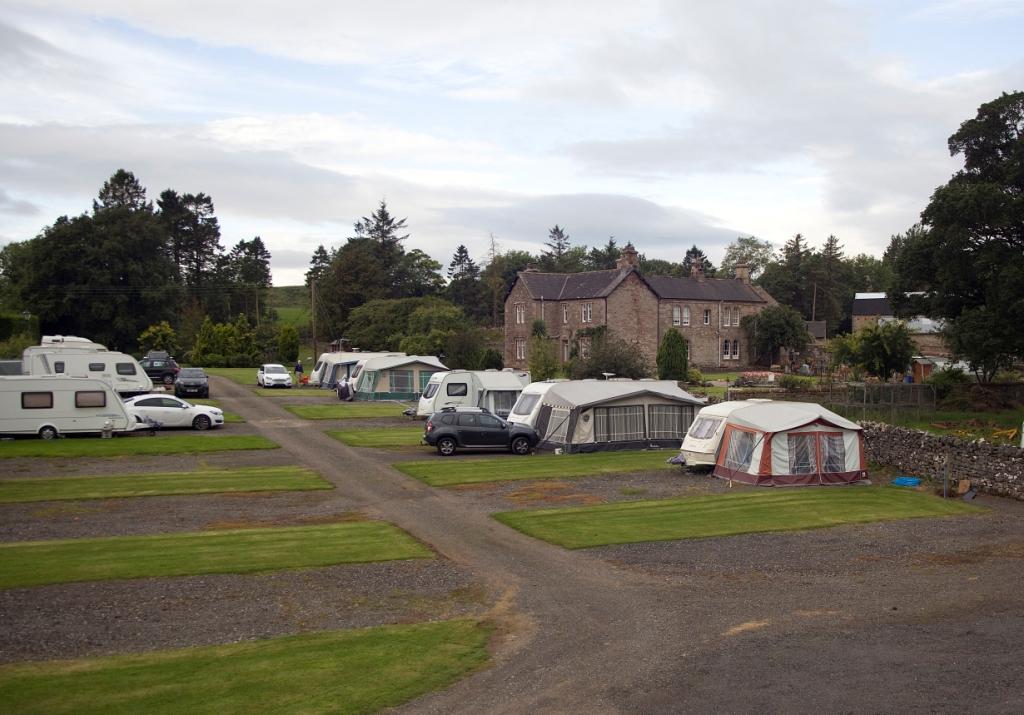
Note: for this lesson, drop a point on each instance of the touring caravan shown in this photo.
(52, 405)
(122, 372)
(527, 407)
(332, 367)
(700, 446)
(494, 390)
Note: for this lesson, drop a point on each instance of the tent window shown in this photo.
(741, 450)
(834, 451)
(803, 457)
(619, 424)
(425, 378)
(368, 381)
(669, 421)
(400, 381)
(704, 427)
(503, 401)
(558, 425)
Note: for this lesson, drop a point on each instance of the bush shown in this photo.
(694, 376)
(946, 379)
(214, 360)
(795, 382)
(241, 361)
(13, 347)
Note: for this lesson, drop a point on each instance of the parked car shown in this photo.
(475, 428)
(160, 367)
(192, 381)
(167, 411)
(273, 375)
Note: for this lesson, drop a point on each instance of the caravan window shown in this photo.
(704, 427)
(457, 389)
(97, 367)
(91, 398)
(503, 401)
(526, 404)
(36, 400)
(58, 366)
(741, 450)
(430, 391)
(669, 421)
(803, 457)
(834, 451)
(400, 381)
(619, 424)
(125, 368)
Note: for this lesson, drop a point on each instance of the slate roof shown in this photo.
(872, 306)
(816, 328)
(599, 284)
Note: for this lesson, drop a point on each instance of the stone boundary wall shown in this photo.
(992, 469)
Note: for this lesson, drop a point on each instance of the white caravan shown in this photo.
(494, 390)
(330, 368)
(122, 372)
(527, 407)
(52, 405)
(700, 445)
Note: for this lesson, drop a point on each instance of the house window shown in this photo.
(736, 316)
(400, 381)
(91, 398)
(677, 315)
(520, 348)
(565, 313)
(725, 349)
(36, 400)
(584, 348)
(520, 313)
(686, 315)
(587, 313)
(566, 351)
(735, 349)
(707, 316)
(619, 424)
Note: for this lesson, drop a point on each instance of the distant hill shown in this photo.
(291, 304)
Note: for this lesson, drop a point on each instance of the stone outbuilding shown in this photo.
(636, 308)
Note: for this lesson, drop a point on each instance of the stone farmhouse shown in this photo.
(636, 308)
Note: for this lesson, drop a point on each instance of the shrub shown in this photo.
(795, 382)
(241, 361)
(694, 376)
(214, 360)
(945, 380)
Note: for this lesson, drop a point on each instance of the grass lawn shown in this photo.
(351, 671)
(35, 563)
(299, 392)
(258, 479)
(347, 410)
(241, 375)
(229, 417)
(709, 391)
(444, 472)
(389, 438)
(727, 515)
(1002, 427)
(730, 376)
(135, 445)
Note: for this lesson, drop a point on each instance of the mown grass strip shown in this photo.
(259, 479)
(442, 472)
(133, 445)
(36, 563)
(298, 392)
(727, 515)
(229, 417)
(238, 375)
(353, 671)
(388, 438)
(346, 410)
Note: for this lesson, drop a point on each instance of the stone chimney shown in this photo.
(531, 268)
(697, 269)
(742, 271)
(628, 258)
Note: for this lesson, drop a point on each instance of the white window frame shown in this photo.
(566, 351)
(725, 349)
(736, 317)
(677, 315)
(686, 315)
(520, 313)
(735, 349)
(565, 313)
(707, 316)
(585, 347)
(587, 313)
(520, 348)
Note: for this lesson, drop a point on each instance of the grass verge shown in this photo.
(390, 438)
(229, 417)
(134, 445)
(347, 410)
(239, 375)
(259, 479)
(36, 563)
(727, 515)
(352, 671)
(443, 472)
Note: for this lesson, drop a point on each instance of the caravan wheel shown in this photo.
(48, 432)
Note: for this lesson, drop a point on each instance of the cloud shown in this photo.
(16, 207)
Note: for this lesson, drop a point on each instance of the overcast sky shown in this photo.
(662, 123)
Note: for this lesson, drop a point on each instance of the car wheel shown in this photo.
(201, 422)
(168, 379)
(206, 394)
(48, 432)
(520, 445)
(446, 446)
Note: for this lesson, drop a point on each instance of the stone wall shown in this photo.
(992, 469)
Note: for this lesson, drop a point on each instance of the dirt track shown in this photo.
(918, 616)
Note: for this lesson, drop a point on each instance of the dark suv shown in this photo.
(475, 428)
(160, 366)
(192, 381)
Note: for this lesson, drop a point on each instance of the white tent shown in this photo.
(395, 377)
(791, 444)
(592, 415)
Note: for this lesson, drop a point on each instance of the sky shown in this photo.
(665, 124)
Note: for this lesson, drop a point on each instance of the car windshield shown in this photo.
(274, 369)
(192, 372)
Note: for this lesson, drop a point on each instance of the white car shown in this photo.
(169, 411)
(273, 375)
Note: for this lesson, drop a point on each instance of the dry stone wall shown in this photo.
(992, 469)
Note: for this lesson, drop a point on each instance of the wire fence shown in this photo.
(856, 400)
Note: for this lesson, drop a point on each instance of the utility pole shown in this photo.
(312, 312)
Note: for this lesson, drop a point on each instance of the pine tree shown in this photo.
(122, 190)
(319, 264)
(672, 357)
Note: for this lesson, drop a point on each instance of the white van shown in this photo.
(700, 445)
(527, 407)
(122, 372)
(494, 390)
(53, 405)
